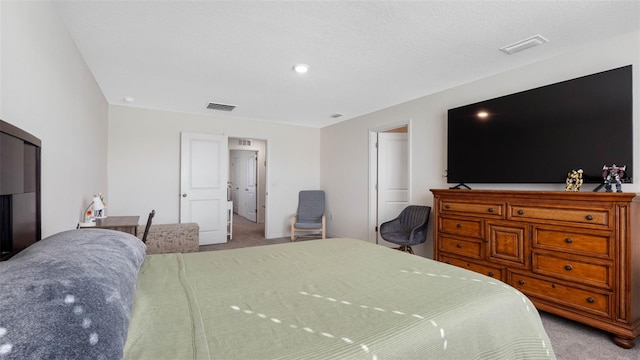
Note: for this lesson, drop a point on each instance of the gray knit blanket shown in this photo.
(69, 296)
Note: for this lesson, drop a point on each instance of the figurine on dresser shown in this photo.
(613, 174)
(574, 180)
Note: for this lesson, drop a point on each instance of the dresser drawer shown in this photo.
(593, 243)
(495, 272)
(596, 217)
(587, 271)
(593, 301)
(468, 248)
(492, 209)
(464, 227)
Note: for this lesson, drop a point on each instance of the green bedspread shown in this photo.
(326, 299)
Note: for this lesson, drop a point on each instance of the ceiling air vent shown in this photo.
(524, 44)
(221, 107)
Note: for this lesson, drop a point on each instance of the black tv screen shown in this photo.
(539, 135)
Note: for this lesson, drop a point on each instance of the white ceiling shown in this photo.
(363, 55)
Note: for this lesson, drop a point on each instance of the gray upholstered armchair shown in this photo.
(409, 228)
(310, 218)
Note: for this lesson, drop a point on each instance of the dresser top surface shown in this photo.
(564, 195)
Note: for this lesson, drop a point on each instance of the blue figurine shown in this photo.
(613, 174)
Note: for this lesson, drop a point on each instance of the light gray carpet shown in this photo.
(570, 340)
(575, 341)
(247, 233)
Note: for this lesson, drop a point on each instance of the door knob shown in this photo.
(184, 195)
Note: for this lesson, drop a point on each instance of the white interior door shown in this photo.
(235, 186)
(251, 163)
(393, 177)
(245, 183)
(203, 184)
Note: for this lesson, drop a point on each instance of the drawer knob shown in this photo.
(521, 282)
(591, 300)
(568, 240)
(458, 226)
(520, 212)
(589, 217)
(491, 273)
(459, 246)
(447, 206)
(490, 210)
(568, 267)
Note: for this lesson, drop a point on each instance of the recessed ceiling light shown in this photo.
(301, 68)
(128, 99)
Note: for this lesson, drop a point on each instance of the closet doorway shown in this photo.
(247, 180)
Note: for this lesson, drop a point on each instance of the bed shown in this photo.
(94, 294)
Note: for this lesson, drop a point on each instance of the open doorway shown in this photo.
(243, 181)
(247, 182)
(389, 177)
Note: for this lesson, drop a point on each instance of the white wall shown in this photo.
(344, 146)
(48, 91)
(144, 162)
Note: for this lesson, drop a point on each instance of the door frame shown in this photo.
(267, 187)
(257, 179)
(373, 173)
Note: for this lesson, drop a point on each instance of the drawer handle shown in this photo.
(458, 226)
(447, 206)
(591, 300)
(491, 273)
(448, 262)
(521, 282)
(459, 246)
(490, 210)
(568, 267)
(589, 217)
(520, 212)
(568, 240)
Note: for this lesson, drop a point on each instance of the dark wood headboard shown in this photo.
(20, 217)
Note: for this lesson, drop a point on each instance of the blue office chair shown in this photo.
(409, 228)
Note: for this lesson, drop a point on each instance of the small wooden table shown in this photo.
(128, 224)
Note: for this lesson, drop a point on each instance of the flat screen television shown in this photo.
(539, 135)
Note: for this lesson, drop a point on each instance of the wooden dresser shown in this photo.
(574, 254)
